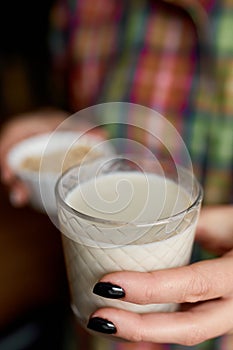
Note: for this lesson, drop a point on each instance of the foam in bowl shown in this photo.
(39, 160)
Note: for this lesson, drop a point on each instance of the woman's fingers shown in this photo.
(18, 191)
(201, 322)
(205, 290)
(197, 282)
(16, 130)
(19, 194)
(215, 228)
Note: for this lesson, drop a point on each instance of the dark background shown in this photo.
(23, 55)
(33, 292)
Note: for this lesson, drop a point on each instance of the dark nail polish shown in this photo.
(108, 290)
(101, 325)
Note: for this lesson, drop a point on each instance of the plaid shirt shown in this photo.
(175, 56)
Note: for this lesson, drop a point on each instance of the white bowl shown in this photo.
(41, 182)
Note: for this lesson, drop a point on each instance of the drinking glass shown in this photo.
(95, 245)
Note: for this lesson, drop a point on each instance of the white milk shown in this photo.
(129, 197)
(124, 197)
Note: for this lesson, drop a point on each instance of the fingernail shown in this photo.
(101, 325)
(108, 290)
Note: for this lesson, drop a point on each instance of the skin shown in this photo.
(18, 129)
(26, 125)
(205, 290)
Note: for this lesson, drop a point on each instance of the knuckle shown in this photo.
(195, 336)
(137, 335)
(198, 287)
(148, 295)
(147, 292)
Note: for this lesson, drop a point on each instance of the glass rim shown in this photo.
(116, 223)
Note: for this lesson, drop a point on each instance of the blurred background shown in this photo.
(34, 306)
(24, 55)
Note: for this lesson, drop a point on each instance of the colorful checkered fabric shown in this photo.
(175, 56)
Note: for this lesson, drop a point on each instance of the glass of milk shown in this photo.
(124, 213)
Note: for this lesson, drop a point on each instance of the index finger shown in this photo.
(196, 282)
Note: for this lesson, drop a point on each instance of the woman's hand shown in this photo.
(17, 129)
(204, 289)
(26, 125)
